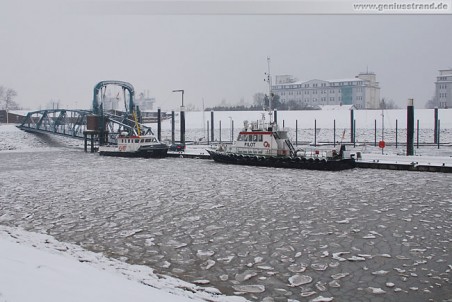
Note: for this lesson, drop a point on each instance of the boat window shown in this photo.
(260, 138)
(240, 137)
(148, 140)
(255, 138)
(142, 140)
(128, 140)
(245, 138)
(154, 139)
(250, 138)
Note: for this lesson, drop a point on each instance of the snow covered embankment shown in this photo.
(37, 267)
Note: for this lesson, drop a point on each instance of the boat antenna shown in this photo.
(270, 94)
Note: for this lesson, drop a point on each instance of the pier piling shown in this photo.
(172, 126)
(435, 125)
(410, 128)
(334, 133)
(212, 126)
(315, 132)
(375, 134)
(182, 126)
(159, 124)
(296, 132)
(396, 133)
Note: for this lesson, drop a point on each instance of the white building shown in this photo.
(363, 91)
(443, 91)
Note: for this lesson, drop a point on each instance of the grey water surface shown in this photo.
(264, 233)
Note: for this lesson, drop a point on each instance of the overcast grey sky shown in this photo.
(51, 54)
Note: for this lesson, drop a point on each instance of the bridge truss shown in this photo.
(75, 123)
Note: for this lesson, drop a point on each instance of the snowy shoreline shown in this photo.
(39, 266)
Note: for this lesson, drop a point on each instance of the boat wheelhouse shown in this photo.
(263, 139)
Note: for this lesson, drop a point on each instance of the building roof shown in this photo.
(445, 72)
(347, 80)
(329, 81)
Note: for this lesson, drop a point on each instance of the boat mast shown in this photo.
(383, 125)
(270, 95)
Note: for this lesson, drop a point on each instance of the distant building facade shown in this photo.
(363, 91)
(443, 89)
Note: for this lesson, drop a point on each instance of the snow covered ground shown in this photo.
(36, 267)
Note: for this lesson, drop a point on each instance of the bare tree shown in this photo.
(388, 104)
(2, 92)
(8, 98)
(259, 99)
(432, 103)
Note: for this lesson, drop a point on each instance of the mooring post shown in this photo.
(334, 132)
(85, 136)
(439, 131)
(208, 135)
(396, 132)
(435, 130)
(212, 126)
(352, 128)
(283, 124)
(315, 133)
(232, 130)
(296, 132)
(375, 134)
(354, 133)
(417, 135)
(276, 116)
(182, 125)
(220, 130)
(173, 122)
(92, 142)
(410, 128)
(159, 124)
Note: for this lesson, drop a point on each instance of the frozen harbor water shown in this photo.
(273, 234)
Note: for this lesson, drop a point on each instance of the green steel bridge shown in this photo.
(77, 123)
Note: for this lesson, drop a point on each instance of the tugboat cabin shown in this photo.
(256, 139)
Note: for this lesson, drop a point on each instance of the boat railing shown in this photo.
(256, 151)
(316, 153)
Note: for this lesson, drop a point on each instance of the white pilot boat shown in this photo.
(135, 146)
(262, 143)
